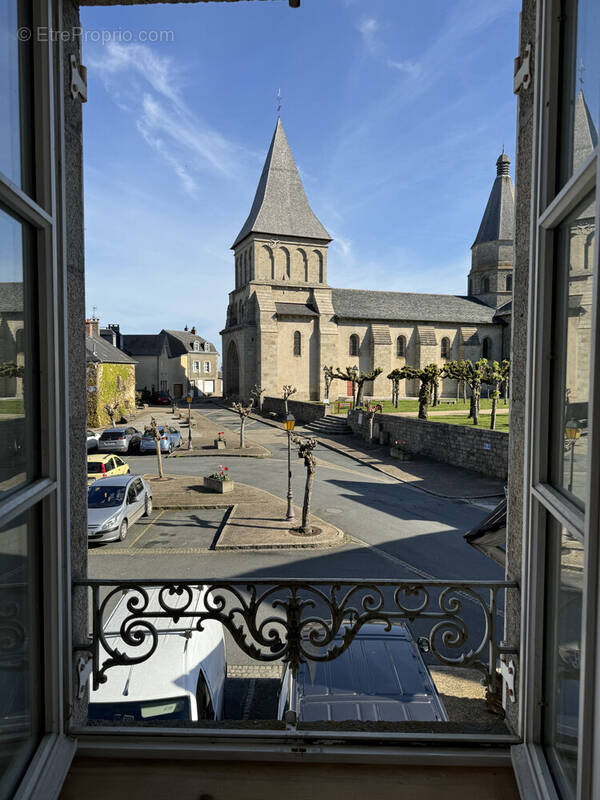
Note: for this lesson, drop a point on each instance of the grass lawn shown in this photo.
(484, 421)
(11, 405)
(413, 405)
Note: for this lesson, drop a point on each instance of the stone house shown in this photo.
(110, 379)
(285, 323)
(177, 362)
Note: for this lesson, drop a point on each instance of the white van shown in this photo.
(184, 679)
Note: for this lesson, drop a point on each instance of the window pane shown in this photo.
(572, 343)
(20, 684)
(562, 692)
(19, 439)
(582, 90)
(14, 61)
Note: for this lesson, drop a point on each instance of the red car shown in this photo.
(162, 398)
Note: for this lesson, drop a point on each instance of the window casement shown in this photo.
(509, 283)
(400, 347)
(561, 567)
(354, 345)
(206, 366)
(196, 346)
(445, 348)
(297, 343)
(195, 366)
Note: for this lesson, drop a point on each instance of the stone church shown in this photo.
(285, 323)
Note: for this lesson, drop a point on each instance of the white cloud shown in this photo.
(368, 27)
(411, 68)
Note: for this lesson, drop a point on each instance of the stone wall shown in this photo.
(479, 449)
(304, 412)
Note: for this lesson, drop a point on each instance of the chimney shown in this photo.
(92, 327)
(193, 329)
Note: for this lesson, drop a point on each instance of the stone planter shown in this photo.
(221, 487)
(401, 455)
(220, 444)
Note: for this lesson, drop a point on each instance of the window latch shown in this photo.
(522, 71)
(507, 671)
(78, 80)
(84, 666)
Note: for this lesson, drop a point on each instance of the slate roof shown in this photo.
(498, 221)
(426, 335)
(381, 334)
(98, 350)
(280, 207)
(181, 342)
(11, 297)
(409, 306)
(505, 310)
(585, 135)
(295, 310)
(138, 344)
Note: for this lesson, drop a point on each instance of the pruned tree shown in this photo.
(496, 374)
(244, 413)
(358, 380)
(364, 377)
(288, 391)
(153, 431)
(395, 377)
(370, 409)
(306, 451)
(427, 377)
(257, 392)
(10, 369)
(473, 375)
(112, 409)
(347, 375)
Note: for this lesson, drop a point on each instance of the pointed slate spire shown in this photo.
(280, 208)
(585, 135)
(498, 221)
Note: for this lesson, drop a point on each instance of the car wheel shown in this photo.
(123, 530)
(128, 470)
(148, 506)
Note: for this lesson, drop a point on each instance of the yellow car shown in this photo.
(102, 465)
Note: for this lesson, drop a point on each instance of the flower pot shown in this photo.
(221, 487)
(401, 455)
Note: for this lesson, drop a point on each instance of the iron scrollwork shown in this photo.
(294, 621)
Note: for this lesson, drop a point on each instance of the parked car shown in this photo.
(380, 677)
(114, 504)
(175, 434)
(148, 445)
(119, 440)
(183, 679)
(161, 399)
(103, 466)
(92, 440)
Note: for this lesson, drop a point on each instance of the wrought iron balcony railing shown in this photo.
(292, 621)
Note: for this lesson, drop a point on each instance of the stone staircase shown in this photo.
(329, 426)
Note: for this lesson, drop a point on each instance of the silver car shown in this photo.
(114, 504)
(119, 440)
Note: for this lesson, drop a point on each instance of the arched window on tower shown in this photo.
(297, 343)
(470, 286)
(486, 348)
(401, 347)
(509, 283)
(445, 348)
(486, 285)
(354, 345)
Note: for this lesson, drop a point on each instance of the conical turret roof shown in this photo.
(585, 135)
(280, 208)
(498, 221)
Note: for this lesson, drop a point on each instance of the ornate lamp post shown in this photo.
(188, 400)
(288, 425)
(572, 432)
(355, 371)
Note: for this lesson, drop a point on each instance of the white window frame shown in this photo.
(541, 500)
(206, 367)
(195, 366)
(46, 216)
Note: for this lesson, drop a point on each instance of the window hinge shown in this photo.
(522, 71)
(78, 80)
(507, 671)
(84, 666)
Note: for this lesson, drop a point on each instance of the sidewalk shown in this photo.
(256, 519)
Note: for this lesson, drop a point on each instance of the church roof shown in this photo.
(498, 221)
(280, 207)
(585, 135)
(409, 306)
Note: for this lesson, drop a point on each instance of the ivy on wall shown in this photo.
(108, 384)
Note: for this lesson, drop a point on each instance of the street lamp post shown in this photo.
(572, 433)
(355, 371)
(288, 425)
(188, 400)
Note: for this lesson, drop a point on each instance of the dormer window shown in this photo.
(197, 346)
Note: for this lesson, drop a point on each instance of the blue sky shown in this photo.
(395, 112)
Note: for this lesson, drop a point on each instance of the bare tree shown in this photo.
(305, 451)
(496, 374)
(395, 377)
(370, 410)
(244, 413)
(288, 391)
(111, 409)
(473, 375)
(365, 377)
(257, 392)
(153, 431)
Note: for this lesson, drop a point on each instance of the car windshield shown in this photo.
(170, 708)
(105, 496)
(94, 466)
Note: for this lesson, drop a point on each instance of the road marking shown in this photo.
(146, 528)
